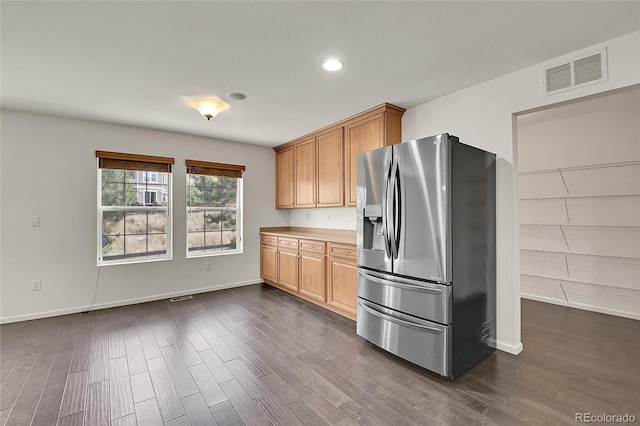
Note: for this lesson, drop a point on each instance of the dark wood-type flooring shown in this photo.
(256, 355)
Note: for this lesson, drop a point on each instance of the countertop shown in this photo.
(332, 235)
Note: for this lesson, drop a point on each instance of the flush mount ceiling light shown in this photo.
(209, 106)
(332, 65)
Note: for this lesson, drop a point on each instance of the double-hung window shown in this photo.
(214, 208)
(134, 221)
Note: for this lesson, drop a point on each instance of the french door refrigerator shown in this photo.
(426, 252)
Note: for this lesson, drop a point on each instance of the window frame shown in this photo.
(226, 170)
(168, 209)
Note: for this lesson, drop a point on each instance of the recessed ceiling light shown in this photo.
(237, 96)
(332, 65)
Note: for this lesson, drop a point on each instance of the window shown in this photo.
(214, 208)
(150, 177)
(132, 225)
(150, 198)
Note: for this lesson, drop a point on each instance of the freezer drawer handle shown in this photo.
(397, 320)
(400, 285)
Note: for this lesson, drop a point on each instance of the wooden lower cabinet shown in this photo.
(288, 269)
(342, 277)
(319, 272)
(312, 275)
(269, 262)
(269, 257)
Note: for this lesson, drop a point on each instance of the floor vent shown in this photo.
(575, 73)
(181, 298)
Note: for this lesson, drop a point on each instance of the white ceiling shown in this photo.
(134, 62)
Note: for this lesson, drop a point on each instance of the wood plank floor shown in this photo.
(256, 355)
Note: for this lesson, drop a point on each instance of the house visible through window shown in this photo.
(214, 208)
(150, 177)
(133, 226)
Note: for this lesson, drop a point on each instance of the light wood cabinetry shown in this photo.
(330, 155)
(269, 257)
(319, 169)
(305, 182)
(369, 133)
(285, 162)
(312, 269)
(288, 263)
(322, 272)
(341, 277)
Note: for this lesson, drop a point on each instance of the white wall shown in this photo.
(49, 170)
(334, 218)
(483, 116)
(580, 204)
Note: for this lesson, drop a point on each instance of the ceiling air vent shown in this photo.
(575, 73)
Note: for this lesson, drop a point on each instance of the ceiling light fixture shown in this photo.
(237, 96)
(209, 106)
(332, 65)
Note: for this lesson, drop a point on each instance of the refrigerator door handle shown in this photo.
(399, 285)
(393, 207)
(389, 318)
(397, 200)
(387, 215)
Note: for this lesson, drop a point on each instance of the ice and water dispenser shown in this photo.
(373, 228)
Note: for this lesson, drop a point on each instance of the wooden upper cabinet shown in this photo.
(362, 136)
(285, 164)
(324, 170)
(305, 174)
(370, 133)
(330, 155)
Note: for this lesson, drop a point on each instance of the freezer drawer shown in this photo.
(418, 298)
(418, 341)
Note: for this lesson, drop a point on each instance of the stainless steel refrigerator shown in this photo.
(426, 252)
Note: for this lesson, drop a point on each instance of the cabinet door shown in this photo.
(284, 178)
(305, 174)
(269, 263)
(312, 275)
(362, 136)
(330, 154)
(288, 269)
(341, 284)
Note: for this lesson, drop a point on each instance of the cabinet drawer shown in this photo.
(288, 242)
(268, 240)
(342, 250)
(314, 246)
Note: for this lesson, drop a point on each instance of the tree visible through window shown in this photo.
(133, 226)
(214, 199)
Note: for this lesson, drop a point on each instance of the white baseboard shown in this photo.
(509, 348)
(539, 298)
(625, 314)
(583, 306)
(77, 309)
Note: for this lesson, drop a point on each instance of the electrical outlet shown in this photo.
(308, 217)
(209, 266)
(36, 285)
(35, 221)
